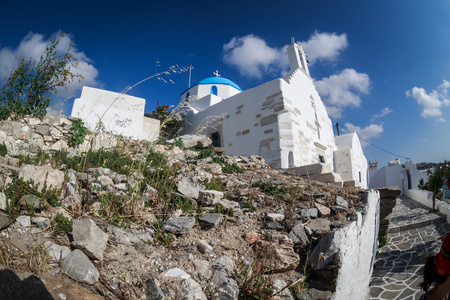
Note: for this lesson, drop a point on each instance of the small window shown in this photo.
(290, 159)
(214, 90)
(359, 176)
(321, 159)
(215, 137)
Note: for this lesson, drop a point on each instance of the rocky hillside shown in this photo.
(119, 219)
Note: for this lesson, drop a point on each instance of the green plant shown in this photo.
(18, 188)
(179, 143)
(234, 168)
(28, 88)
(62, 224)
(171, 122)
(250, 206)
(222, 210)
(436, 179)
(163, 238)
(78, 134)
(3, 149)
(382, 240)
(214, 184)
(120, 211)
(253, 283)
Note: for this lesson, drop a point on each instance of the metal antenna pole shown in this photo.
(190, 68)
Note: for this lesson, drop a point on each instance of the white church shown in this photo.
(283, 120)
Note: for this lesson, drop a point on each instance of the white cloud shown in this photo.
(33, 46)
(342, 90)
(367, 133)
(385, 111)
(324, 46)
(432, 102)
(253, 57)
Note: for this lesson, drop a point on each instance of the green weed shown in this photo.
(214, 184)
(163, 238)
(3, 149)
(62, 224)
(179, 143)
(234, 168)
(78, 134)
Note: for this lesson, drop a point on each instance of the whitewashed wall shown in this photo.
(353, 250)
(349, 160)
(397, 175)
(119, 114)
(299, 95)
(358, 244)
(275, 120)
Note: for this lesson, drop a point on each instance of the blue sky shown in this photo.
(381, 67)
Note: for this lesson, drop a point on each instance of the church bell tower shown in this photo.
(297, 57)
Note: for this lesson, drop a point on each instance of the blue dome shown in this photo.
(219, 80)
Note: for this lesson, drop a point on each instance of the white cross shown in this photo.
(216, 73)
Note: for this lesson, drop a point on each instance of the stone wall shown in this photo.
(388, 196)
(348, 254)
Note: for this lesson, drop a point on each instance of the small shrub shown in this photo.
(250, 206)
(3, 149)
(234, 168)
(214, 184)
(163, 238)
(179, 143)
(18, 188)
(253, 284)
(382, 240)
(62, 224)
(78, 134)
(120, 211)
(222, 210)
(28, 88)
(170, 123)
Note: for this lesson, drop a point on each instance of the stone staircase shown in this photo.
(320, 172)
(413, 233)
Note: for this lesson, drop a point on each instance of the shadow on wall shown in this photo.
(31, 288)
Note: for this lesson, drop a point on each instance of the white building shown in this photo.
(116, 113)
(283, 120)
(406, 176)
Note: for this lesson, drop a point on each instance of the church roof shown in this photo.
(216, 80)
(219, 80)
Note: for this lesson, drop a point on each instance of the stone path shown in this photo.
(414, 232)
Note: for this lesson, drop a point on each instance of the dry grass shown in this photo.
(32, 259)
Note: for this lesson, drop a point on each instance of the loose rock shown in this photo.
(89, 238)
(78, 267)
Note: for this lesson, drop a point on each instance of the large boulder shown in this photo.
(42, 175)
(89, 238)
